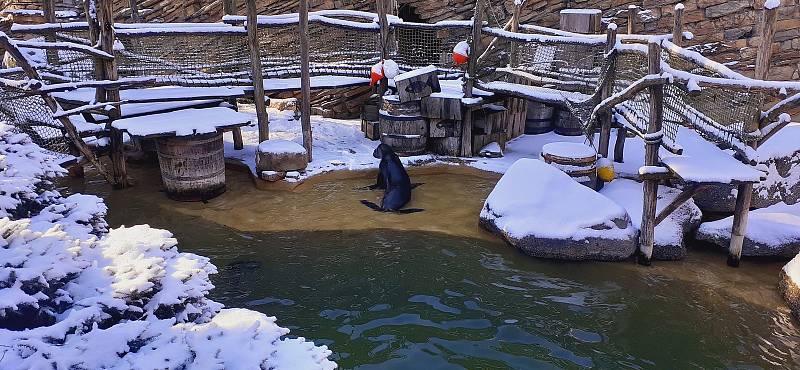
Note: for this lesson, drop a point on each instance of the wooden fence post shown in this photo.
(382, 8)
(652, 143)
(305, 81)
(607, 90)
(257, 74)
(469, 80)
(744, 192)
(677, 29)
(49, 11)
(514, 28)
(631, 18)
(229, 7)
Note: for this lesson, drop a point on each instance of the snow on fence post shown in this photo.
(607, 90)
(631, 18)
(469, 80)
(677, 29)
(652, 143)
(134, 11)
(305, 81)
(255, 69)
(107, 37)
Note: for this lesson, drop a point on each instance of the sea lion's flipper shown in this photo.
(408, 210)
(417, 184)
(374, 206)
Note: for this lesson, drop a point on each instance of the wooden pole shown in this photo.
(469, 79)
(49, 11)
(607, 90)
(677, 28)
(652, 143)
(305, 81)
(631, 19)
(382, 8)
(255, 69)
(229, 7)
(135, 12)
(744, 192)
(514, 28)
(105, 19)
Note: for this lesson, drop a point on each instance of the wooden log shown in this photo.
(605, 91)
(650, 187)
(49, 10)
(441, 107)
(619, 145)
(469, 81)
(764, 53)
(514, 28)
(740, 215)
(417, 84)
(255, 67)
(631, 18)
(580, 20)
(677, 28)
(229, 7)
(682, 198)
(305, 81)
(383, 8)
(238, 142)
(440, 128)
(134, 11)
(105, 18)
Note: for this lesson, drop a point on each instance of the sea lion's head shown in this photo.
(382, 150)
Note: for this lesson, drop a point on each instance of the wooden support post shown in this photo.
(740, 215)
(677, 28)
(105, 19)
(607, 90)
(647, 232)
(765, 48)
(135, 12)
(257, 74)
(238, 143)
(49, 11)
(631, 18)
(229, 7)
(383, 8)
(514, 28)
(469, 79)
(619, 145)
(305, 81)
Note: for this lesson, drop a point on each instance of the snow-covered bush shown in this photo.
(74, 295)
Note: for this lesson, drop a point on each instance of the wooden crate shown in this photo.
(417, 84)
(441, 107)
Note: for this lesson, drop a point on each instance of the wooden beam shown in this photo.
(677, 28)
(650, 186)
(469, 80)
(305, 81)
(257, 74)
(606, 91)
(682, 198)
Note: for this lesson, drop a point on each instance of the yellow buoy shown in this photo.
(605, 170)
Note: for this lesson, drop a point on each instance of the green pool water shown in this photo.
(385, 298)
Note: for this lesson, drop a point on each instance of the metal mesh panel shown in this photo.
(419, 46)
(30, 115)
(573, 67)
(186, 57)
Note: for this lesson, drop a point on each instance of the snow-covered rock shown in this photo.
(789, 285)
(545, 213)
(74, 295)
(771, 231)
(669, 234)
(281, 155)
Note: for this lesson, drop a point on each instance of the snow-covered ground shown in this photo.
(74, 295)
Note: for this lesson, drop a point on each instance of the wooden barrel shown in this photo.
(539, 118)
(370, 117)
(575, 159)
(407, 135)
(192, 167)
(392, 106)
(567, 124)
(449, 146)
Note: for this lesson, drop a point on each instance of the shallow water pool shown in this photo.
(432, 291)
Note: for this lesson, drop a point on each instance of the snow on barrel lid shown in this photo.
(568, 150)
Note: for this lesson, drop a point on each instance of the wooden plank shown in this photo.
(305, 81)
(682, 198)
(441, 107)
(580, 20)
(650, 187)
(255, 67)
(415, 86)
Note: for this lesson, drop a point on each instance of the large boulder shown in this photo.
(545, 213)
(281, 156)
(788, 285)
(771, 231)
(669, 242)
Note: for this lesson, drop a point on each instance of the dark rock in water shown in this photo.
(244, 265)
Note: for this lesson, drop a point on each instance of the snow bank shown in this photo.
(544, 212)
(669, 234)
(771, 231)
(74, 295)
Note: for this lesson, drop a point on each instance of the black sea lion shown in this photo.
(394, 179)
